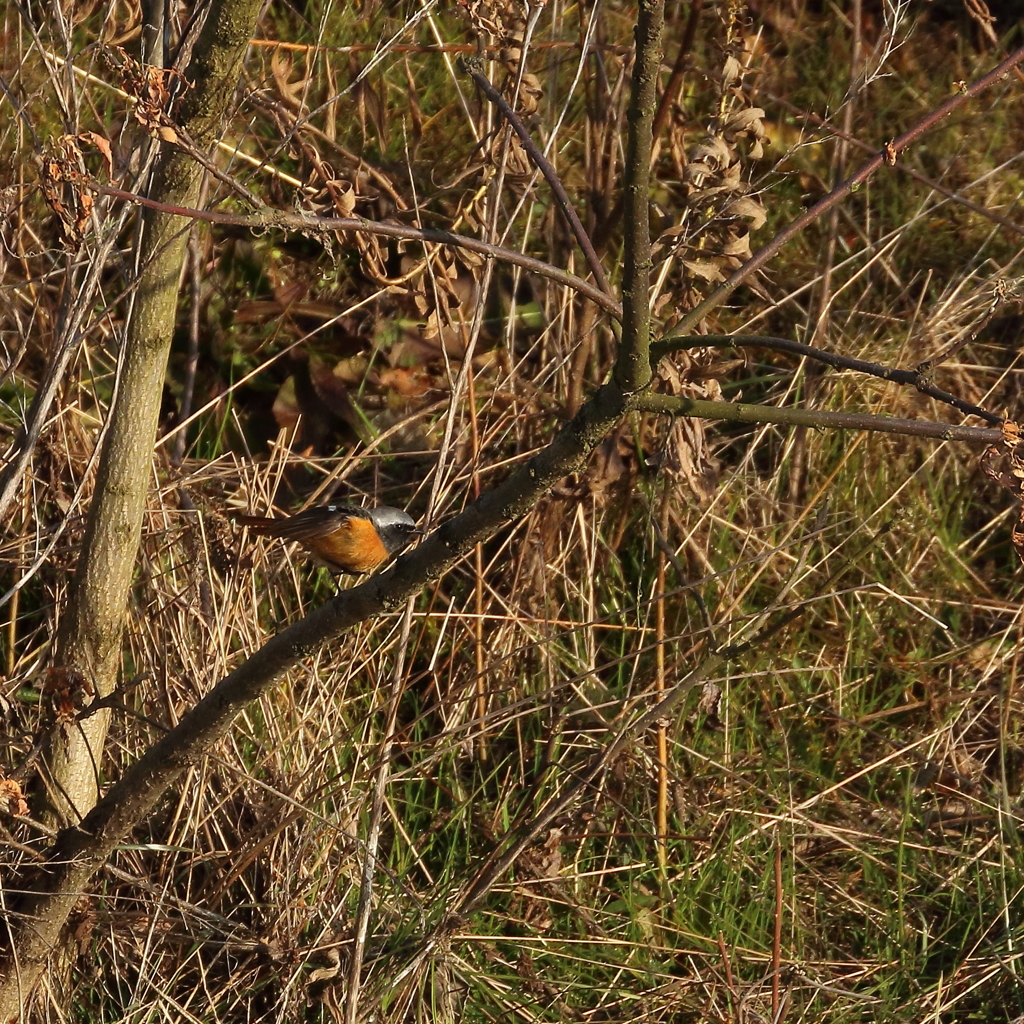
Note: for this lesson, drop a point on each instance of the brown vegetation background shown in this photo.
(828, 830)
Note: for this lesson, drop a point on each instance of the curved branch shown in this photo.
(919, 378)
(317, 225)
(736, 412)
(568, 211)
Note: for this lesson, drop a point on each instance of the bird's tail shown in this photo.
(258, 524)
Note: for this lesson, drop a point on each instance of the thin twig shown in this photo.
(925, 369)
(948, 193)
(660, 632)
(80, 284)
(472, 66)
(492, 48)
(919, 378)
(777, 932)
(886, 155)
(376, 814)
(192, 358)
(678, 70)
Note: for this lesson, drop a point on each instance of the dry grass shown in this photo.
(853, 780)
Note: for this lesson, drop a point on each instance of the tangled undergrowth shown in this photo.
(829, 830)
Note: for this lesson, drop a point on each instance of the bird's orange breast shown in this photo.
(354, 547)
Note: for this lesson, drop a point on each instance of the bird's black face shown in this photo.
(398, 536)
(395, 527)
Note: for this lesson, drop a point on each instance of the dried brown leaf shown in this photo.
(748, 120)
(12, 798)
(731, 70)
(103, 145)
(751, 209)
(704, 269)
(737, 247)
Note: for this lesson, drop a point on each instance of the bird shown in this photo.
(346, 538)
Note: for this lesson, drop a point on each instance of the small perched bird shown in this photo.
(346, 538)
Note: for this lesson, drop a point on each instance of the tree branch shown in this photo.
(633, 366)
(80, 850)
(919, 378)
(887, 155)
(735, 412)
(568, 211)
(318, 225)
(903, 168)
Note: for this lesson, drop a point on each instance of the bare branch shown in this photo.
(542, 164)
(81, 850)
(840, 192)
(735, 412)
(900, 165)
(919, 378)
(318, 225)
(633, 366)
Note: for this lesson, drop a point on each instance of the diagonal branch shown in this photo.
(840, 192)
(80, 850)
(568, 211)
(282, 220)
(900, 165)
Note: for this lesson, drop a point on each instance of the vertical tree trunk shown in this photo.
(89, 641)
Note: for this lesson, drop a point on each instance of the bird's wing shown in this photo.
(318, 521)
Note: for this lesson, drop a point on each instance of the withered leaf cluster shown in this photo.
(1012, 480)
(154, 90)
(64, 182)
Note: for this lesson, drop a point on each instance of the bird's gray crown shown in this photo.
(396, 528)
